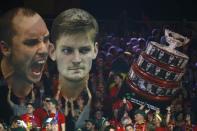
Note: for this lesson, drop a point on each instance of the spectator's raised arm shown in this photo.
(9, 98)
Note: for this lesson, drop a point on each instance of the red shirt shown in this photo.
(33, 120)
(41, 114)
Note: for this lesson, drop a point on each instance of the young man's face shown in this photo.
(30, 108)
(46, 102)
(89, 126)
(129, 128)
(51, 106)
(138, 117)
(74, 55)
(29, 47)
(117, 79)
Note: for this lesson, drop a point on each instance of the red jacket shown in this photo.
(33, 120)
(41, 114)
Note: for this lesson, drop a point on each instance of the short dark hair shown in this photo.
(6, 23)
(107, 128)
(54, 101)
(73, 21)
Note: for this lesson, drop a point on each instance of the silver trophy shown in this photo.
(175, 40)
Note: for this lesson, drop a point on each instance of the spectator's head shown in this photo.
(155, 32)
(133, 42)
(46, 101)
(142, 43)
(3, 126)
(126, 120)
(129, 127)
(30, 108)
(89, 125)
(180, 116)
(150, 116)
(13, 121)
(98, 104)
(98, 114)
(139, 115)
(178, 106)
(17, 123)
(53, 104)
(113, 50)
(118, 78)
(110, 128)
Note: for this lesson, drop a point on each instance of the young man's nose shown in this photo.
(76, 57)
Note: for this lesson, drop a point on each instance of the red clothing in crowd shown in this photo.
(114, 91)
(41, 114)
(117, 124)
(119, 128)
(140, 127)
(31, 120)
(60, 118)
(195, 128)
(119, 103)
(161, 129)
(114, 122)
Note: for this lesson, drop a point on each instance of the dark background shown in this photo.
(111, 9)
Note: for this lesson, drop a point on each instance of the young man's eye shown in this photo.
(67, 50)
(85, 50)
(31, 42)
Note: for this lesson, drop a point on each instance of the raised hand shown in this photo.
(157, 111)
(168, 109)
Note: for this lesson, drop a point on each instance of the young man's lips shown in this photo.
(78, 68)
